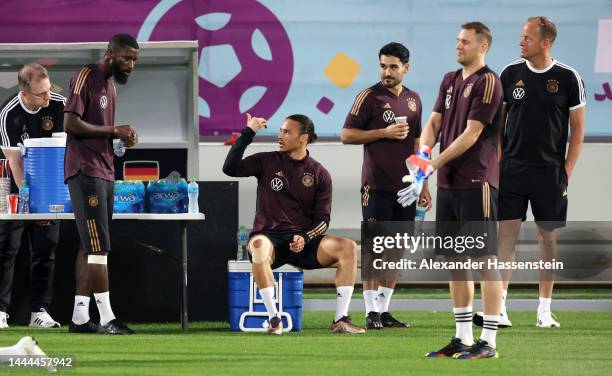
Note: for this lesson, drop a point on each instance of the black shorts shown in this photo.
(307, 259)
(92, 202)
(544, 188)
(467, 213)
(379, 205)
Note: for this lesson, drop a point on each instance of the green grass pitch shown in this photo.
(580, 347)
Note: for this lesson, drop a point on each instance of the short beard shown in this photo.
(393, 83)
(120, 76)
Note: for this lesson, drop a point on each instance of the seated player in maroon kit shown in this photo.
(294, 197)
(90, 174)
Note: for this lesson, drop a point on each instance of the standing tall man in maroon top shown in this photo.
(89, 120)
(463, 120)
(294, 197)
(386, 119)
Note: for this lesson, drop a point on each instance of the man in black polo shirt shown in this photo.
(34, 112)
(373, 123)
(89, 170)
(542, 97)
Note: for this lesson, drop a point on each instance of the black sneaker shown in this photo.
(389, 321)
(373, 321)
(480, 350)
(115, 327)
(454, 347)
(88, 327)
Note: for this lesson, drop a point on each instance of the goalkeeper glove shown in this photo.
(420, 169)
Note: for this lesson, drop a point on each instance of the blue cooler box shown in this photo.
(247, 312)
(43, 168)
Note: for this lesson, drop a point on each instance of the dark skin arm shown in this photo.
(74, 125)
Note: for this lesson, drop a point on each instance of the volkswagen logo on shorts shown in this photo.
(389, 116)
(103, 102)
(518, 93)
(277, 184)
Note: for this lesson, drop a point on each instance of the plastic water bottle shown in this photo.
(24, 198)
(243, 238)
(193, 191)
(119, 149)
(419, 218)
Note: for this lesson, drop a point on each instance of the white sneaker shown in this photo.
(27, 346)
(546, 319)
(3, 317)
(42, 319)
(504, 321)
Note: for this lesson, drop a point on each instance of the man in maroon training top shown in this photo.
(463, 120)
(90, 173)
(386, 119)
(294, 197)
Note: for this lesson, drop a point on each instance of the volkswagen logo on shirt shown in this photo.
(276, 184)
(518, 93)
(389, 116)
(103, 102)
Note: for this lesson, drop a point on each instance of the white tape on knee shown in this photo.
(262, 251)
(96, 259)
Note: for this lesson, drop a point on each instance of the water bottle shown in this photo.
(119, 149)
(24, 198)
(193, 192)
(243, 238)
(419, 218)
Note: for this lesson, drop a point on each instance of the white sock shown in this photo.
(490, 323)
(503, 310)
(463, 325)
(104, 307)
(80, 313)
(267, 295)
(544, 305)
(343, 300)
(369, 298)
(384, 298)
